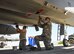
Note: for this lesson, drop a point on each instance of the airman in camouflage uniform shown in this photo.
(46, 34)
(22, 44)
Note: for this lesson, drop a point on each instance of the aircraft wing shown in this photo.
(25, 12)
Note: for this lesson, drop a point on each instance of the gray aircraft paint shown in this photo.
(62, 3)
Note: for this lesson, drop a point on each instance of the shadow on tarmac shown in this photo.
(56, 50)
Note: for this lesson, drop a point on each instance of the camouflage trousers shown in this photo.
(22, 44)
(46, 40)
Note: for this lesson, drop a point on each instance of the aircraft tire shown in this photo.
(65, 42)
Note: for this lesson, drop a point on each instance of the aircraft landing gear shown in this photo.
(65, 42)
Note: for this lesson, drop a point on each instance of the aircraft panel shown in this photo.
(62, 3)
(22, 7)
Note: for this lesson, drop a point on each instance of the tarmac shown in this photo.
(56, 50)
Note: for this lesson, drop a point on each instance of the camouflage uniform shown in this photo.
(46, 34)
(22, 44)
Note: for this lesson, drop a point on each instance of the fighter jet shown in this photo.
(26, 12)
